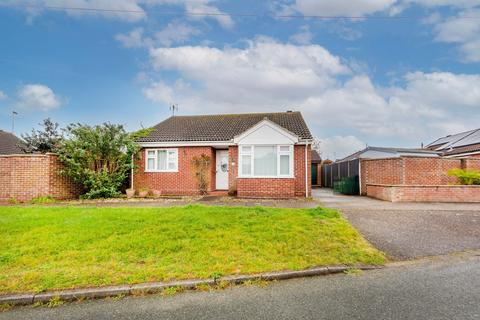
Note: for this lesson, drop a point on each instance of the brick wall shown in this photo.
(382, 171)
(25, 177)
(407, 193)
(182, 182)
(417, 179)
(274, 188)
(412, 171)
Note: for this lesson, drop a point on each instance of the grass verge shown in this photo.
(47, 248)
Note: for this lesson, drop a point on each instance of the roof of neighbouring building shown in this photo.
(392, 152)
(222, 127)
(456, 140)
(9, 143)
(316, 158)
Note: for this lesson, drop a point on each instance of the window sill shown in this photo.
(161, 171)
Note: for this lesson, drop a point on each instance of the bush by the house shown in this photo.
(98, 157)
(466, 177)
(201, 167)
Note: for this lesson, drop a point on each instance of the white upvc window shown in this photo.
(266, 161)
(161, 160)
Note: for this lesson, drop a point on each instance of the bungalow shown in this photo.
(460, 145)
(10, 144)
(251, 155)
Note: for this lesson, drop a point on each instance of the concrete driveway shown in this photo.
(409, 230)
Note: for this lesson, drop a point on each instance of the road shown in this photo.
(446, 287)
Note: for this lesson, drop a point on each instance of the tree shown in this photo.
(42, 141)
(98, 157)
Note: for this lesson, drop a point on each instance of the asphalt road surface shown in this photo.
(410, 230)
(445, 287)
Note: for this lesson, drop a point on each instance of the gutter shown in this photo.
(306, 169)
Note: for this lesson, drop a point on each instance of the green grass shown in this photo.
(46, 248)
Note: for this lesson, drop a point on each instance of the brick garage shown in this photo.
(25, 177)
(417, 179)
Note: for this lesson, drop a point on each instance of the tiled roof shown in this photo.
(316, 156)
(9, 143)
(222, 127)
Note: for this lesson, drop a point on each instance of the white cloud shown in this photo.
(196, 9)
(461, 29)
(131, 9)
(2, 95)
(159, 92)
(175, 32)
(263, 64)
(338, 147)
(268, 75)
(37, 97)
(444, 3)
(133, 39)
(304, 35)
(126, 10)
(359, 8)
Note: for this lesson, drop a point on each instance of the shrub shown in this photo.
(466, 177)
(98, 157)
(201, 166)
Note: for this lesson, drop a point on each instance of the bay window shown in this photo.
(266, 161)
(161, 160)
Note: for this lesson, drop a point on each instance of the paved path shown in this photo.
(440, 288)
(409, 230)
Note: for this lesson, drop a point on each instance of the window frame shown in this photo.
(173, 159)
(251, 153)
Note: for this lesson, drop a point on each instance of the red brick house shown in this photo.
(252, 155)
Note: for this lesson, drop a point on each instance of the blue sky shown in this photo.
(406, 72)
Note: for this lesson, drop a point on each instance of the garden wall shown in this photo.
(25, 177)
(406, 193)
(417, 179)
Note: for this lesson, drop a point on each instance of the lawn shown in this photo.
(46, 248)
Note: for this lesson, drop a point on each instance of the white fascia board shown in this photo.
(265, 122)
(463, 154)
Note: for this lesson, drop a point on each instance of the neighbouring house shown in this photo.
(383, 152)
(464, 144)
(251, 155)
(10, 144)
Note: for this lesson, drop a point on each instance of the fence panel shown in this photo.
(337, 171)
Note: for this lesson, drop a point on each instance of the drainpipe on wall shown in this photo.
(131, 174)
(306, 170)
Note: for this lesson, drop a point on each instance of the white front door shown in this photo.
(222, 170)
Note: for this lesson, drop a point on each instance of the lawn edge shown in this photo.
(156, 287)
